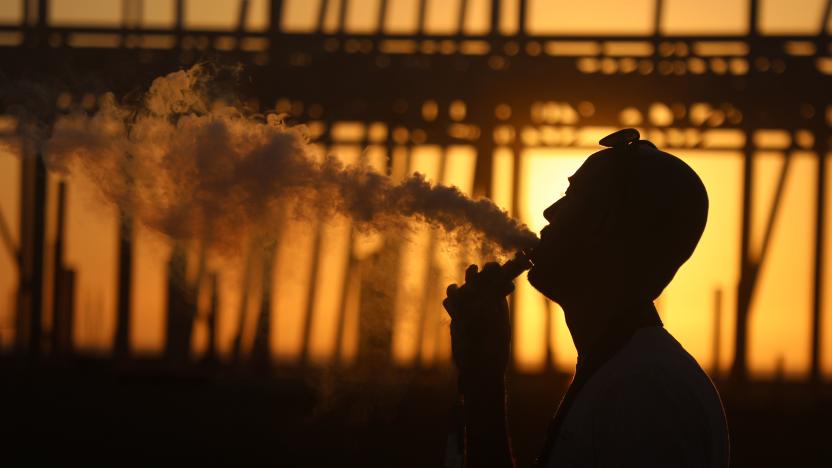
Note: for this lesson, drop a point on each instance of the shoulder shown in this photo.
(657, 405)
(655, 372)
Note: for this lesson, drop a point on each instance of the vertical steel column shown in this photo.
(58, 275)
(125, 283)
(32, 236)
(716, 349)
(262, 335)
(236, 347)
(178, 21)
(211, 353)
(746, 281)
(821, 149)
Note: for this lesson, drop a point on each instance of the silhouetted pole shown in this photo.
(6, 235)
(179, 309)
(275, 17)
(548, 323)
(211, 353)
(245, 288)
(262, 335)
(747, 270)
(125, 270)
(63, 288)
(32, 234)
(178, 20)
(351, 269)
(821, 148)
(495, 17)
(717, 333)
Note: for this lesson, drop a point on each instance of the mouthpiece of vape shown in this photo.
(517, 265)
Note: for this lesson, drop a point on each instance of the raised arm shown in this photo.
(481, 342)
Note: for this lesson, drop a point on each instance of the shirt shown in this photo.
(649, 405)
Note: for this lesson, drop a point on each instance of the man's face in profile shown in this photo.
(571, 246)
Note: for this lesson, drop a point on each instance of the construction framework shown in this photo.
(445, 90)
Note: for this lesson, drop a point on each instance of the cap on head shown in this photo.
(663, 208)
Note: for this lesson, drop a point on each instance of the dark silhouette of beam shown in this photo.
(6, 235)
(745, 287)
(125, 285)
(821, 150)
(261, 352)
(716, 337)
(63, 284)
(213, 314)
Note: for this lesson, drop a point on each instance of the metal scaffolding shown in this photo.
(557, 81)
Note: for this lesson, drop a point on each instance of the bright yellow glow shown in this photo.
(570, 17)
(696, 17)
(362, 16)
(781, 308)
(784, 17)
(687, 305)
(69, 12)
(543, 179)
(502, 178)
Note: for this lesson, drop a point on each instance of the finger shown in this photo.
(491, 267)
(471, 273)
(491, 272)
(449, 308)
(452, 289)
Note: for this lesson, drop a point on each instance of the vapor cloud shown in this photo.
(191, 168)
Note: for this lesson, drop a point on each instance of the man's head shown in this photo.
(631, 217)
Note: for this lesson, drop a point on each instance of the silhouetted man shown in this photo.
(631, 217)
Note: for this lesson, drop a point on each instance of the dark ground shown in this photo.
(104, 413)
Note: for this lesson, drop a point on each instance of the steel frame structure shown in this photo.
(752, 82)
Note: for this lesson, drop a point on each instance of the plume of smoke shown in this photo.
(193, 169)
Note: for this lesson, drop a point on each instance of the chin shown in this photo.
(544, 281)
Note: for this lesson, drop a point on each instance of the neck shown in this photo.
(591, 323)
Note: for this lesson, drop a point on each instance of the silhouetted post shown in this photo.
(821, 148)
(211, 353)
(309, 315)
(245, 288)
(177, 340)
(747, 270)
(32, 234)
(340, 327)
(275, 18)
(6, 235)
(125, 271)
(63, 285)
(178, 20)
(548, 323)
(262, 335)
(717, 333)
